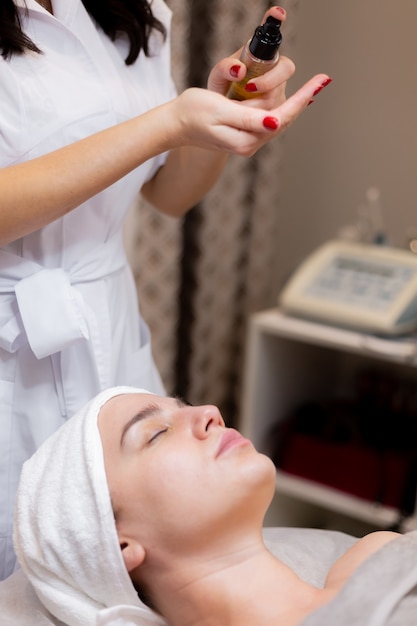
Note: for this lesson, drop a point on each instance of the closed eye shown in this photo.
(157, 434)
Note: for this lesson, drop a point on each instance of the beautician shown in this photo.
(88, 118)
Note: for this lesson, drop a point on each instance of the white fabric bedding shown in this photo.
(382, 591)
(310, 552)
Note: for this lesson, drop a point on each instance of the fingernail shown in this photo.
(250, 87)
(280, 10)
(271, 122)
(311, 102)
(323, 85)
(234, 70)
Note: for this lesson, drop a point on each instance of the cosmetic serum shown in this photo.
(259, 55)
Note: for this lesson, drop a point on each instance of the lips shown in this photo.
(230, 439)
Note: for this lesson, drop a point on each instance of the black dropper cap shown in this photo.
(266, 39)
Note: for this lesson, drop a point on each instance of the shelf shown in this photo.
(290, 362)
(335, 500)
(403, 350)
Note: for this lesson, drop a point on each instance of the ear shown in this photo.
(133, 554)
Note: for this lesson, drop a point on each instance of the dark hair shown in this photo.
(132, 18)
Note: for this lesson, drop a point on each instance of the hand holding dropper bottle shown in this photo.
(259, 55)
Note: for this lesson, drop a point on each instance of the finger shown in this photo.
(276, 76)
(243, 130)
(258, 121)
(228, 69)
(276, 73)
(287, 112)
(278, 12)
(232, 68)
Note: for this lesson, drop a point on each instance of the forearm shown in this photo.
(188, 174)
(37, 192)
(199, 128)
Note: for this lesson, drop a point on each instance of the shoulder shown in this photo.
(347, 564)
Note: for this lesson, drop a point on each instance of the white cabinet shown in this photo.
(291, 361)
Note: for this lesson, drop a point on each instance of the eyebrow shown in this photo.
(145, 413)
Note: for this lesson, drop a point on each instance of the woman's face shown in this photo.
(176, 473)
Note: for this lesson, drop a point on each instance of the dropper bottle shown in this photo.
(259, 55)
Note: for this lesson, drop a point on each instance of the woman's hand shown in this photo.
(209, 120)
(201, 127)
(269, 88)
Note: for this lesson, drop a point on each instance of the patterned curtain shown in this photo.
(200, 278)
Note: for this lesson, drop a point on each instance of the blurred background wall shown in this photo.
(200, 278)
(361, 131)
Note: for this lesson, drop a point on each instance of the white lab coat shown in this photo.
(69, 323)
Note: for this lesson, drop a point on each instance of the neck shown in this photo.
(248, 586)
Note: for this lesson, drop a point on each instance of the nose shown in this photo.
(204, 418)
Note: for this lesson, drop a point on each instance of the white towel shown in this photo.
(65, 534)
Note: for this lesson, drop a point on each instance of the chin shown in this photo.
(260, 473)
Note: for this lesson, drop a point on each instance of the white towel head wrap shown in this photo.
(65, 534)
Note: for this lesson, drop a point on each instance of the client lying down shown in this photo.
(140, 492)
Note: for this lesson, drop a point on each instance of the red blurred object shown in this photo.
(350, 467)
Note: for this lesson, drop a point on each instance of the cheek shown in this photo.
(181, 487)
(188, 485)
(181, 476)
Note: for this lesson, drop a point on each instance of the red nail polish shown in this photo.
(234, 70)
(311, 102)
(322, 86)
(280, 10)
(251, 87)
(270, 122)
